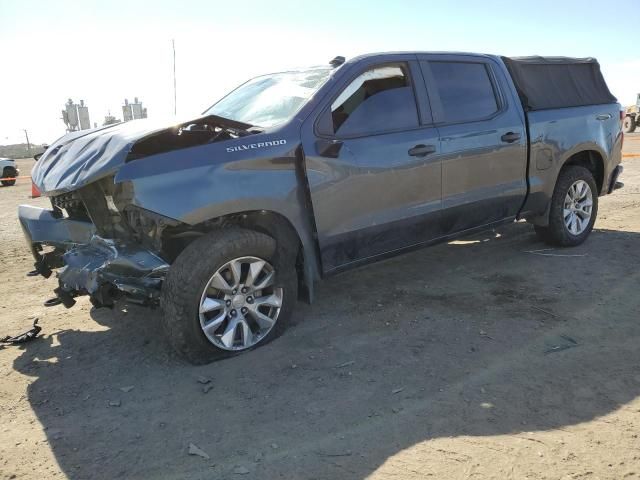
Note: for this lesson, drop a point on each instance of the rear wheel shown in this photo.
(226, 293)
(628, 124)
(8, 173)
(573, 210)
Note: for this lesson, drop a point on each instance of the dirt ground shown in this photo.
(446, 363)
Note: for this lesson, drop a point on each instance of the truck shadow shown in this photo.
(473, 338)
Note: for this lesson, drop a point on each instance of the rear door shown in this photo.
(482, 140)
(371, 158)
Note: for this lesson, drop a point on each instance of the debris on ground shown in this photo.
(544, 311)
(240, 470)
(197, 451)
(485, 335)
(542, 253)
(25, 337)
(274, 446)
(126, 389)
(346, 364)
(565, 343)
(397, 390)
(115, 403)
(203, 380)
(336, 454)
(206, 388)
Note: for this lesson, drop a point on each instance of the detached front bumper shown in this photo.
(87, 263)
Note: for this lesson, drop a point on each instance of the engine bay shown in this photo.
(209, 129)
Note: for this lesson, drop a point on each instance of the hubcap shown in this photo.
(240, 305)
(578, 205)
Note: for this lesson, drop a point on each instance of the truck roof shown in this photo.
(576, 81)
(418, 52)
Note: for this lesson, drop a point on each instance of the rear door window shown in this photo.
(381, 99)
(465, 90)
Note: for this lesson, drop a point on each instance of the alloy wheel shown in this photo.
(240, 305)
(578, 206)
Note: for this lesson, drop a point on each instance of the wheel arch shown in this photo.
(592, 159)
(289, 239)
(589, 156)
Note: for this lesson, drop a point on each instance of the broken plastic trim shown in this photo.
(25, 337)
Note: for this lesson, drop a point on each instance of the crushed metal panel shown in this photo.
(102, 261)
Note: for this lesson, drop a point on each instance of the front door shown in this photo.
(373, 167)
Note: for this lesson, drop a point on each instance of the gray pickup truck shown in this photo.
(226, 220)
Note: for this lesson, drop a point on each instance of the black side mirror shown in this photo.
(328, 148)
(37, 156)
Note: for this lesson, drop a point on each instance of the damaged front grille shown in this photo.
(66, 200)
(108, 207)
(71, 204)
(93, 203)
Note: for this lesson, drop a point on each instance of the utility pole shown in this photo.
(28, 143)
(175, 96)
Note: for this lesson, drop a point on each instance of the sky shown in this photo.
(103, 52)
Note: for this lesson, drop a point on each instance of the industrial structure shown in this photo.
(110, 120)
(133, 111)
(76, 116)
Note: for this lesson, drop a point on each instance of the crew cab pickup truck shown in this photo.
(226, 220)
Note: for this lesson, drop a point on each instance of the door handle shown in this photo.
(510, 137)
(421, 150)
(605, 116)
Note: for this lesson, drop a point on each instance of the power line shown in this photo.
(28, 143)
(175, 96)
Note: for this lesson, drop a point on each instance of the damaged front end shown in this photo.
(92, 247)
(97, 238)
(99, 242)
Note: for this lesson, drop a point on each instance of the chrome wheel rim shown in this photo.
(240, 305)
(578, 206)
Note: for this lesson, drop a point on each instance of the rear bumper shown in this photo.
(87, 263)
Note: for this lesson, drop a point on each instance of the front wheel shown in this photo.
(226, 293)
(573, 210)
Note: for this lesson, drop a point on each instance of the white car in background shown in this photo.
(8, 169)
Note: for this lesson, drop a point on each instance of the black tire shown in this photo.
(557, 233)
(8, 172)
(629, 124)
(190, 273)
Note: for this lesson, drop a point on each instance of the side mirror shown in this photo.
(37, 156)
(328, 148)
